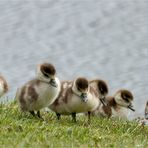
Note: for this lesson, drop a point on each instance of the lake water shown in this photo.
(105, 39)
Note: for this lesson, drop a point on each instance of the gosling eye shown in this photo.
(46, 75)
(79, 89)
(101, 89)
(126, 99)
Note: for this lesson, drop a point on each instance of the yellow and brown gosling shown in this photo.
(117, 105)
(75, 97)
(39, 92)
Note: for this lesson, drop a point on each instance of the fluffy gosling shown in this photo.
(75, 97)
(39, 92)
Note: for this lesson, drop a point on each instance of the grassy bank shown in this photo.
(22, 130)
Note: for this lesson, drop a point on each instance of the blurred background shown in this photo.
(104, 39)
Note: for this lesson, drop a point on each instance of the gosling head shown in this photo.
(80, 88)
(124, 98)
(46, 72)
(101, 88)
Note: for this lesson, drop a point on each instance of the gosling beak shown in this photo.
(53, 83)
(84, 97)
(102, 99)
(131, 108)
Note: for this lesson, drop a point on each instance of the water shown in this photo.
(97, 39)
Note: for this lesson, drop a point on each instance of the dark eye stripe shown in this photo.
(79, 89)
(46, 75)
(126, 99)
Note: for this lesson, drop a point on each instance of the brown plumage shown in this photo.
(3, 86)
(47, 68)
(82, 83)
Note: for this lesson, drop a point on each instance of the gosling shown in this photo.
(117, 105)
(39, 92)
(75, 97)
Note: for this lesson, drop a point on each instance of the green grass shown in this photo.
(22, 130)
